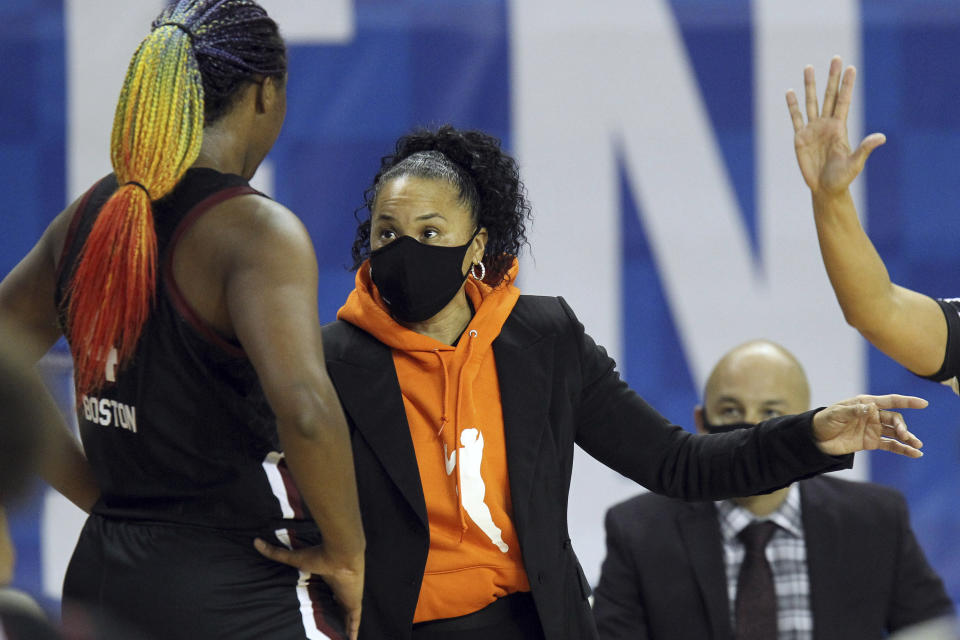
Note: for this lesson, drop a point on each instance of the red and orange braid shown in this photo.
(157, 131)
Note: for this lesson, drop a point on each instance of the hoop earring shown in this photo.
(483, 271)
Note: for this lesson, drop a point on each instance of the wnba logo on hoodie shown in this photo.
(472, 489)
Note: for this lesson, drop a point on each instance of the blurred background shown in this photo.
(654, 141)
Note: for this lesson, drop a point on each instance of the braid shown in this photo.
(233, 41)
(195, 45)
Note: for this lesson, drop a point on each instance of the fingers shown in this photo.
(866, 147)
(846, 91)
(899, 448)
(794, 106)
(890, 401)
(810, 92)
(894, 426)
(278, 554)
(833, 81)
(353, 623)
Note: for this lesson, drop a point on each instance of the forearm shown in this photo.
(62, 462)
(317, 449)
(857, 274)
(64, 465)
(906, 325)
(765, 458)
(7, 552)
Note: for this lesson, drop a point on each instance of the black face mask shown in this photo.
(724, 428)
(417, 280)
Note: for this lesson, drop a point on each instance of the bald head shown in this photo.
(753, 382)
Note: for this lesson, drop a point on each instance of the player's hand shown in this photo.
(823, 151)
(345, 579)
(865, 423)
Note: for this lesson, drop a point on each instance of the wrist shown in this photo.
(344, 563)
(826, 201)
(345, 556)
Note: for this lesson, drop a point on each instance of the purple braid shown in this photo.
(234, 42)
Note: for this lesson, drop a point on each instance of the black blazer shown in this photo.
(557, 388)
(664, 574)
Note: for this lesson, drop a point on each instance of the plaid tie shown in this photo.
(756, 606)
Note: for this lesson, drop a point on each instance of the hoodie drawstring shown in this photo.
(443, 400)
(456, 430)
(456, 422)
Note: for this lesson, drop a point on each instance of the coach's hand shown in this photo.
(865, 423)
(345, 578)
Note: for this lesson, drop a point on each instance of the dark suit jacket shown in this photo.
(557, 388)
(664, 574)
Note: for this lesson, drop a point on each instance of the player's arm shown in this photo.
(271, 297)
(29, 324)
(908, 326)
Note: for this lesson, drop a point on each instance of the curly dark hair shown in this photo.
(485, 176)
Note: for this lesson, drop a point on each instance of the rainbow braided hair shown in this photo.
(183, 76)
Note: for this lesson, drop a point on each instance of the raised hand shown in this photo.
(823, 151)
(346, 582)
(865, 423)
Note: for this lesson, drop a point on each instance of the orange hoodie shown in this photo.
(452, 399)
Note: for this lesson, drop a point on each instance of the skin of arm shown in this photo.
(28, 321)
(270, 293)
(906, 325)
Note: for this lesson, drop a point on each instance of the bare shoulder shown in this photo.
(242, 247)
(252, 227)
(55, 236)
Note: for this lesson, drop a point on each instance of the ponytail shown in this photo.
(157, 131)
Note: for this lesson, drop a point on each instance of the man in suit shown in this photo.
(822, 558)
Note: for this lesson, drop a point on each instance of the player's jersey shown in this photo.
(183, 432)
(950, 369)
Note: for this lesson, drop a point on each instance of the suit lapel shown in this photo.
(366, 380)
(823, 539)
(700, 532)
(524, 360)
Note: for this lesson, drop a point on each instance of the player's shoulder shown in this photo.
(255, 214)
(254, 225)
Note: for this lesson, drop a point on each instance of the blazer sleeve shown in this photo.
(618, 602)
(618, 428)
(918, 594)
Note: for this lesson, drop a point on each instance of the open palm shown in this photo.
(826, 160)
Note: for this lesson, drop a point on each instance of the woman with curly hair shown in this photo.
(465, 399)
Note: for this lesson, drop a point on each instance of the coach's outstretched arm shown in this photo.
(908, 326)
(271, 296)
